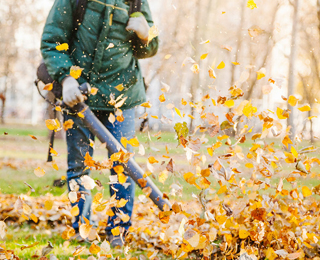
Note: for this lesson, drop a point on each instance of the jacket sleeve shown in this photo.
(141, 50)
(58, 29)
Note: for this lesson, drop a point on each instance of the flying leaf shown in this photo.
(251, 4)
(94, 91)
(229, 103)
(62, 47)
(120, 87)
(146, 105)
(178, 112)
(306, 191)
(261, 73)
(75, 72)
(68, 124)
(221, 65)
(75, 211)
(292, 100)
(162, 98)
(204, 56)
(305, 108)
(48, 87)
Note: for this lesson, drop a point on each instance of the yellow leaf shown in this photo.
(146, 105)
(75, 211)
(94, 91)
(68, 124)
(39, 172)
(48, 87)
(249, 110)
(55, 166)
(251, 4)
(155, 117)
(80, 115)
(124, 217)
(124, 142)
(221, 65)
(163, 176)
(292, 100)
(134, 142)
(26, 209)
(121, 203)
(235, 63)
(53, 124)
(162, 98)
(305, 108)
(229, 103)
(294, 152)
(167, 57)
(261, 73)
(223, 189)
(94, 249)
(280, 113)
(34, 218)
(243, 232)
(120, 87)
(204, 56)
(58, 108)
(62, 47)
(122, 178)
(270, 254)
(152, 160)
(48, 204)
(249, 165)
(286, 140)
(306, 191)
(115, 231)
(75, 72)
(210, 151)
(118, 169)
(178, 112)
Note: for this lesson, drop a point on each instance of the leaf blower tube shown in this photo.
(113, 146)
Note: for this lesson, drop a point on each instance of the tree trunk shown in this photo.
(292, 66)
(196, 77)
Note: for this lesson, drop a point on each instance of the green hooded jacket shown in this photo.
(106, 51)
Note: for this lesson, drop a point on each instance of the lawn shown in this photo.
(20, 154)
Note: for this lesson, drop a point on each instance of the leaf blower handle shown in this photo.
(84, 88)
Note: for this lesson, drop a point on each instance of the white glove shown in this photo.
(70, 91)
(140, 26)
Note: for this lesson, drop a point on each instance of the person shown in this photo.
(107, 46)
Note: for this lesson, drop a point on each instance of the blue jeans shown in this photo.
(78, 142)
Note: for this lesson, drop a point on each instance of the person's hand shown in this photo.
(140, 26)
(70, 91)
